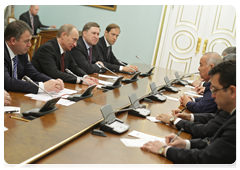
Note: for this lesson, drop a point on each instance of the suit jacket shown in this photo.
(36, 22)
(103, 49)
(203, 104)
(80, 55)
(24, 67)
(219, 149)
(47, 59)
(202, 130)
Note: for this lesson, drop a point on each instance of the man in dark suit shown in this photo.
(32, 19)
(86, 54)
(17, 37)
(219, 149)
(52, 58)
(105, 46)
(206, 103)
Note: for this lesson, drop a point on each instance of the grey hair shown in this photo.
(213, 58)
(229, 50)
(65, 28)
(229, 57)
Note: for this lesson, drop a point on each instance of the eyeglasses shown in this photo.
(215, 91)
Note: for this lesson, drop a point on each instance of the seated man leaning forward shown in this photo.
(17, 37)
(206, 103)
(53, 57)
(105, 46)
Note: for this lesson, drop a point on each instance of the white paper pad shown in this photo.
(143, 138)
(192, 94)
(106, 76)
(45, 97)
(190, 81)
(105, 82)
(172, 98)
(11, 108)
(192, 87)
(153, 119)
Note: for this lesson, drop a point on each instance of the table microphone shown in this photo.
(81, 78)
(126, 65)
(147, 73)
(107, 69)
(30, 80)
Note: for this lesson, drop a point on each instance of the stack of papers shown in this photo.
(106, 76)
(193, 93)
(45, 97)
(142, 139)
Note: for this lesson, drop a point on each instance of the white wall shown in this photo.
(138, 23)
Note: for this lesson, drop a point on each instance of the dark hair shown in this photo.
(16, 29)
(65, 28)
(229, 50)
(112, 26)
(230, 56)
(227, 71)
(88, 25)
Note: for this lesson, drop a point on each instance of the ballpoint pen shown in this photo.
(183, 109)
(181, 130)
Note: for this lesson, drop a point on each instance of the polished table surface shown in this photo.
(64, 135)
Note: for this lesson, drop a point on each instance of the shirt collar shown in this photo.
(106, 42)
(232, 111)
(61, 50)
(86, 43)
(12, 55)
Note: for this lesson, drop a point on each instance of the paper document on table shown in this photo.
(153, 119)
(105, 82)
(45, 97)
(192, 87)
(172, 98)
(5, 129)
(190, 81)
(193, 94)
(106, 76)
(11, 109)
(143, 138)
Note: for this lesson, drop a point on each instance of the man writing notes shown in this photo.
(53, 57)
(105, 46)
(86, 53)
(32, 19)
(206, 103)
(17, 37)
(219, 149)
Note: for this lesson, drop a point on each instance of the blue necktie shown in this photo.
(15, 62)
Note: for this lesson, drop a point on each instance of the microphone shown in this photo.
(30, 80)
(81, 78)
(107, 69)
(147, 73)
(116, 84)
(126, 65)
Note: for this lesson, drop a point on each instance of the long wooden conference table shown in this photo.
(64, 136)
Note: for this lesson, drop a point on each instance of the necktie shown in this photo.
(108, 52)
(90, 55)
(32, 25)
(62, 62)
(15, 62)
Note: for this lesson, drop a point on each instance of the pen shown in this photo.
(177, 135)
(11, 111)
(182, 109)
(18, 118)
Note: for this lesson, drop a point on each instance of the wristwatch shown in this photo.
(161, 150)
(171, 120)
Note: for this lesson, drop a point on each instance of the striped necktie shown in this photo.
(15, 62)
(32, 25)
(90, 55)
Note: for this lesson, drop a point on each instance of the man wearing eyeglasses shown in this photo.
(219, 149)
(206, 103)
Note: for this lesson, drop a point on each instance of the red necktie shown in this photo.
(62, 62)
(90, 55)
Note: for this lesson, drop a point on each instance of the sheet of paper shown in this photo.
(106, 76)
(11, 108)
(5, 128)
(192, 94)
(105, 82)
(190, 81)
(153, 119)
(192, 87)
(143, 138)
(171, 98)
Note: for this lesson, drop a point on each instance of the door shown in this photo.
(186, 32)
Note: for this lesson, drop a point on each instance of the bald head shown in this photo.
(34, 9)
(212, 58)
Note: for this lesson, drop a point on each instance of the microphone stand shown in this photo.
(147, 73)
